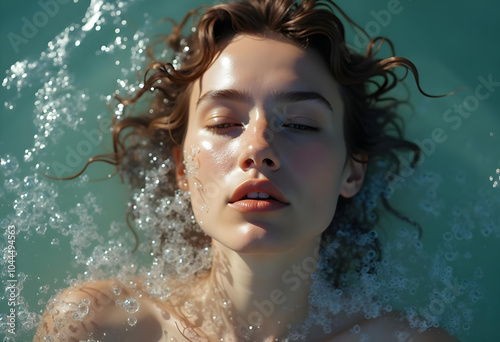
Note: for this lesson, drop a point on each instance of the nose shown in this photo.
(257, 150)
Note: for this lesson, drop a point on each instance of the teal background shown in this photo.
(451, 42)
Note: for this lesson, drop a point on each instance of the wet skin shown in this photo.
(267, 111)
(266, 124)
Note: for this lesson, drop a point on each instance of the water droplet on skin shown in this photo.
(117, 290)
(191, 166)
(131, 305)
(81, 310)
(132, 321)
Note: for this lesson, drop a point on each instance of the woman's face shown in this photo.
(264, 151)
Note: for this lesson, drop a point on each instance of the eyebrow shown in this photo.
(224, 94)
(281, 96)
(299, 96)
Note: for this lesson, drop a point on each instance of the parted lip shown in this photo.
(257, 185)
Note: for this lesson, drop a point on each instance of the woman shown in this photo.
(272, 126)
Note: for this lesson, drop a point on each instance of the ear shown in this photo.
(180, 175)
(354, 176)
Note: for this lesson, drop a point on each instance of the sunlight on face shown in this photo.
(265, 146)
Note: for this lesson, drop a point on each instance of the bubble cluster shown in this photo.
(9, 165)
(191, 164)
(381, 285)
(165, 214)
(58, 107)
(431, 204)
(495, 179)
(33, 201)
(375, 186)
(81, 310)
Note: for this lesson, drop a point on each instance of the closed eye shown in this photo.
(224, 128)
(301, 127)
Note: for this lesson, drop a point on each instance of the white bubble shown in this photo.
(8, 165)
(12, 184)
(41, 229)
(131, 305)
(132, 321)
(82, 310)
(117, 290)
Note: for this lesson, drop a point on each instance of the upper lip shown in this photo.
(256, 185)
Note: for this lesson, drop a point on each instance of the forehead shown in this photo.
(261, 66)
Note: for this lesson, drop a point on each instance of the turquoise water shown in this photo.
(455, 196)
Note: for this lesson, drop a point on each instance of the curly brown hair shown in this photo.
(372, 126)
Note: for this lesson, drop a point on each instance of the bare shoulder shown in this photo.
(393, 327)
(102, 310)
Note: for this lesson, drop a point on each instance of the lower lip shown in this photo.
(261, 205)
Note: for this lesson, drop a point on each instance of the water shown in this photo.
(78, 226)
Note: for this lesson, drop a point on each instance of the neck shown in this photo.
(266, 293)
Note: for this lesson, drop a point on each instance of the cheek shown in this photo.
(216, 160)
(320, 166)
(318, 162)
(213, 163)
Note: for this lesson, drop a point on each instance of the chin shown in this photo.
(257, 241)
